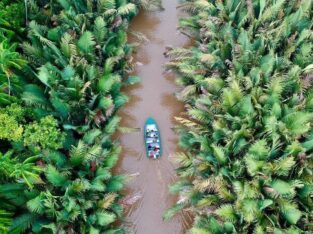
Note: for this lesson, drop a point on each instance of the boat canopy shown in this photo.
(156, 144)
(152, 140)
(151, 127)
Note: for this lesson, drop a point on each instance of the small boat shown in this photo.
(152, 139)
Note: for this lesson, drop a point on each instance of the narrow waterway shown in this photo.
(154, 96)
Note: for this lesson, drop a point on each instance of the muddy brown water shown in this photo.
(154, 96)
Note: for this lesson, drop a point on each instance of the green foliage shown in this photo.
(10, 118)
(10, 80)
(61, 153)
(54, 177)
(247, 88)
(105, 218)
(9, 128)
(11, 169)
(86, 42)
(74, 197)
(44, 134)
(12, 13)
(5, 220)
(9, 58)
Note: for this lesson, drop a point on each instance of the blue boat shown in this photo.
(152, 139)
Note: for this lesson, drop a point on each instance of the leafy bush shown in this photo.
(9, 128)
(44, 135)
(247, 136)
(12, 13)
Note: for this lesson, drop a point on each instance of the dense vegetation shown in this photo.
(247, 134)
(12, 14)
(58, 99)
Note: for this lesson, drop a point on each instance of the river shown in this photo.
(154, 96)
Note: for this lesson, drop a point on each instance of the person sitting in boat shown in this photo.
(155, 153)
(151, 154)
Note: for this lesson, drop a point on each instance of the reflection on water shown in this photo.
(154, 96)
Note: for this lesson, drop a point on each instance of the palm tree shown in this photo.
(85, 203)
(247, 132)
